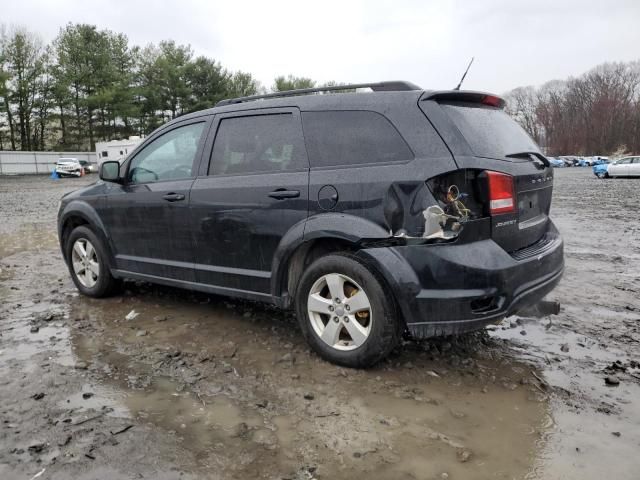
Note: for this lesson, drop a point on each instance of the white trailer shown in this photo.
(116, 149)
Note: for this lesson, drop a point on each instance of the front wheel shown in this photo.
(345, 312)
(87, 261)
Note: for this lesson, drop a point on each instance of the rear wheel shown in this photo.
(345, 313)
(86, 258)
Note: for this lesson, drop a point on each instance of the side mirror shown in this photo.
(110, 171)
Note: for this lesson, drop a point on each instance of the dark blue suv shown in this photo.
(369, 212)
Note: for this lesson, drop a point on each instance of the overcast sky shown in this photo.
(515, 43)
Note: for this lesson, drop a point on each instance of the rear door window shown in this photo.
(489, 131)
(352, 138)
(258, 143)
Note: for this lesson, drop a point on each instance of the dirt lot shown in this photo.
(200, 386)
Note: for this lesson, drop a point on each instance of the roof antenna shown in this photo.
(464, 74)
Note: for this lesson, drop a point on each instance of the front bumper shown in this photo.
(68, 171)
(454, 288)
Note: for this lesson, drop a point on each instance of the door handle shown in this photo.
(173, 197)
(281, 194)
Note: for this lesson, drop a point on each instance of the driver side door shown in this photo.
(147, 215)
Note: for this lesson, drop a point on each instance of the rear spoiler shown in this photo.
(465, 96)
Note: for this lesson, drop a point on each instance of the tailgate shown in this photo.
(486, 138)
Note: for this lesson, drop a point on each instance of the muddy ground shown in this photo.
(199, 386)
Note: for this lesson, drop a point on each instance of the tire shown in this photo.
(90, 281)
(377, 329)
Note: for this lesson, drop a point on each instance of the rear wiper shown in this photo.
(529, 154)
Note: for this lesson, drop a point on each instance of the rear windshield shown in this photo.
(489, 131)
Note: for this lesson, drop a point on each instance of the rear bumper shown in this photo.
(456, 288)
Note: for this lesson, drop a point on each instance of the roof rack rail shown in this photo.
(392, 86)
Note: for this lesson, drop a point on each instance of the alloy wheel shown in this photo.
(84, 259)
(340, 311)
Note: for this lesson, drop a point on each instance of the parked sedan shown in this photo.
(624, 167)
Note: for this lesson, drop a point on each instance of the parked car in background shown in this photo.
(570, 161)
(624, 167)
(556, 162)
(87, 166)
(69, 167)
(590, 161)
(600, 170)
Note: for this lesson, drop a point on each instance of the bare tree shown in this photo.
(595, 113)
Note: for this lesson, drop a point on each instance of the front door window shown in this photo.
(168, 157)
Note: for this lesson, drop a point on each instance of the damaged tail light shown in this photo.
(464, 196)
(458, 194)
(459, 201)
(501, 193)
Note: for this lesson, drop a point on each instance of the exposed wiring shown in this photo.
(455, 203)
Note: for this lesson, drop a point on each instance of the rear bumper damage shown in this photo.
(454, 288)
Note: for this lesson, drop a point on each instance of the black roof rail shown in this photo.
(392, 86)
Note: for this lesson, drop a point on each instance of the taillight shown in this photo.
(501, 193)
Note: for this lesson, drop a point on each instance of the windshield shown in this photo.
(489, 131)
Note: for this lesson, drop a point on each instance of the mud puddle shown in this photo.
(36, 237)
(235, 384)
(596, 419)
(202, 387)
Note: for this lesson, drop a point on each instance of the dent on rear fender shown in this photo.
(408, 214)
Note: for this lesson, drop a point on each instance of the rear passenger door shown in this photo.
(253, 189)
(355, 157)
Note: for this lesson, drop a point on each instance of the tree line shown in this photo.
(89, 85)
(597, 113)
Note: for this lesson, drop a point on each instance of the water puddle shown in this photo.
(235, 384)
(591, 419)
(35, 237)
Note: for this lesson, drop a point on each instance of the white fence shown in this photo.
(20, 163)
